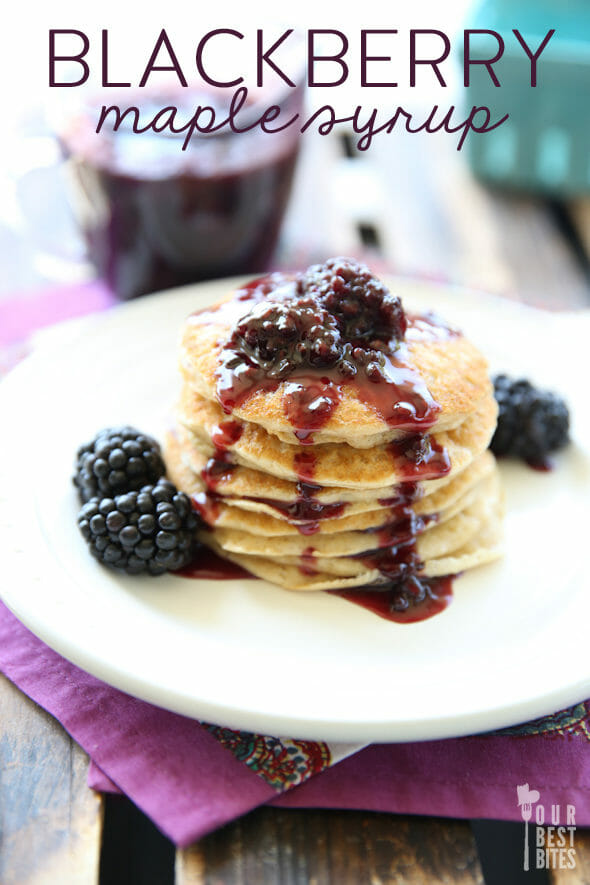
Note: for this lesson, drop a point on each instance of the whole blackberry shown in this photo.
(118, 459)
(532, 423)
(361, 304)
(150, 530)
(268, 331)
(282, 336)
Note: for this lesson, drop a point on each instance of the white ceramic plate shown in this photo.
(513, 644)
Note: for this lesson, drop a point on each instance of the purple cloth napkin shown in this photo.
(169, 765)
(24, 313)
(178, 772)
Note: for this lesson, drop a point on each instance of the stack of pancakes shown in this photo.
(347, 508)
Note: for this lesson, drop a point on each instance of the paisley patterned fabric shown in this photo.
(281, 762)
(573, 721)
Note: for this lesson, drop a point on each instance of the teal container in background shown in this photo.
(544, 146)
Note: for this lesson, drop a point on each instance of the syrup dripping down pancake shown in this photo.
(362, 474)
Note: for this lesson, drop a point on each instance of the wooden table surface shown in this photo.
(413, 202)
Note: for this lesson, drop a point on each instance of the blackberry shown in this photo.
(412, 591)
(268, 331)
(282, 336)
(150, 530)
(532, 423)
(118, 459)
(333, 316)
(361, 304)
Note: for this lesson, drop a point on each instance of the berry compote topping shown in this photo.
(420, 456)
(394, 552)
(334, 325)
(306, 511)
(362, 306)
(217, 470)
(281, 337)
(403, 595)
(220, 466)
(416, 599)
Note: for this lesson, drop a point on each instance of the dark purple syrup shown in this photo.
(304, 464)
(419, 457)
(307, 564)
(293, 341)
(544, 466)
(394, 553)
(308, 404)
(217, 470)
(394, 389)
(305, 508)
(210, 566)
(206, 505)
(220, 467)
(156, 216)
(401, 399)
(438, 594)
(226, 434)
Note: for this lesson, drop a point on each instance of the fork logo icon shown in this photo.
(526, 799)
(554, 832)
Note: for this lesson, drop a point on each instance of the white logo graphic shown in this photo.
(554, 842)
(526, 800)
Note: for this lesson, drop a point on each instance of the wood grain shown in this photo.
(546, 269)
(50, 821)
(437, 220)
(342, 848)
(580, 875)
(579, 214)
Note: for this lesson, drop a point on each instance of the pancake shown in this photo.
(188, 457)
(327, 443)
(260, 517)
(435, 538)
(334, 464)
(452, 369)
(484, 546)
(255, 490)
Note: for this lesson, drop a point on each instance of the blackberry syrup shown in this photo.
(438, 594)
(316, 375)
(211, 567)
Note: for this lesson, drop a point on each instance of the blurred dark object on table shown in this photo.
(544, 146)
(156, 216)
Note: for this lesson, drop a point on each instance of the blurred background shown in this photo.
(85, 222)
